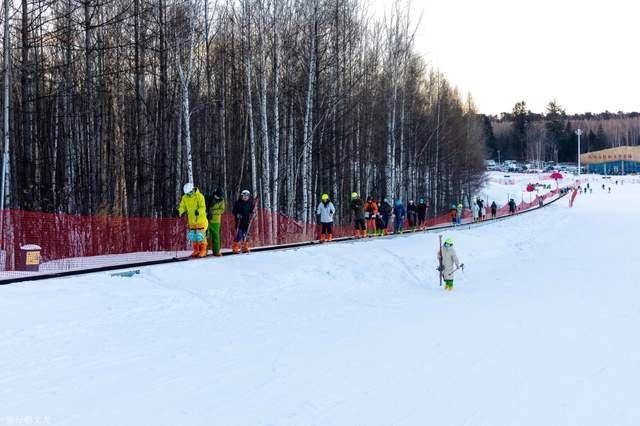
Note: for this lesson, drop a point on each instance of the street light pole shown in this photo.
(579, 133)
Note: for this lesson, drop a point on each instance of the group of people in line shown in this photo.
(204, 217)
(371, 218)
(478, 211)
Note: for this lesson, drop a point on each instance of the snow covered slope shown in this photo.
(540, 330)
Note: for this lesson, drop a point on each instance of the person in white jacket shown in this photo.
(476, 211)
(449, 263)
(325, 212)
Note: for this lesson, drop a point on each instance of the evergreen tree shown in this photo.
(554, 128)
(521, 122)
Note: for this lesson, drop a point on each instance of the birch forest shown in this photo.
(114, 104)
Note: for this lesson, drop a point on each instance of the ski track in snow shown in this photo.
(538, 331)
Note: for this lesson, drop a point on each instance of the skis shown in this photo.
(440, 266)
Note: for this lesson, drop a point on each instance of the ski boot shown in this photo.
(202, 250)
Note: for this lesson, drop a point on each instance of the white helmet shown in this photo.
(245, 193)
(187, 188)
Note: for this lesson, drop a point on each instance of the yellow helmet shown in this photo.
(324, 197)
(354, 195)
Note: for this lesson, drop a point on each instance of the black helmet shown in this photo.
(217, 194)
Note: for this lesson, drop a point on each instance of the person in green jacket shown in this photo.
(214, 215)
(193, 204)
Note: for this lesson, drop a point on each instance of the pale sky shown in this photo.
(584, 53)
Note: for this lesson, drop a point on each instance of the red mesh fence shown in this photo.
(70, 242)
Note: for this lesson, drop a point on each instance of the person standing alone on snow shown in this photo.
(448, 259)
(192, 203)
(243, 213)
(494, 210)
(214, 215)
(325, 212)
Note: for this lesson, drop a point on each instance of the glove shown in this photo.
(440, 269)
(209, 216)
(462, 266)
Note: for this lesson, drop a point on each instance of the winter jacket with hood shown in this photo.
(243, 211)
(450, 261)
(357, 207)
(194, 206)
(326, 211)
(215, 208)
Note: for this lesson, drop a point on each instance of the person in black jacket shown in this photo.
(422, 213)
(357, 208)
(494, 210)
(385, 210)
(243, 213)
(512, 206)
(412, 215)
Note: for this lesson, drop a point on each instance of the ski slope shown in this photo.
(540, 330)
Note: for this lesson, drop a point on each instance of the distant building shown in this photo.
(613, 161)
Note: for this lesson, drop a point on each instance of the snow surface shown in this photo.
(540, 330)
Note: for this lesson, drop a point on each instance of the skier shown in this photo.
(422, 213)
(192, 203)
(541, 202)
(370, 213)
(454, 214)
(357, 207)
(512, 206)
(214, 214)
(243, 213)
(412, 215)
(494, 210)
(325, 213)
(449, 263)
(459, 213)
(609, 190)
(385, 213)
(399, 212)
(483, 210)
(475, 210)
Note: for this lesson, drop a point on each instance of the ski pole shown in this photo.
(461, 267)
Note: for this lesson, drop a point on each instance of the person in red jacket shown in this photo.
(370, 213)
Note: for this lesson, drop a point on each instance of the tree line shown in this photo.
(550, 136)
(114, 105)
